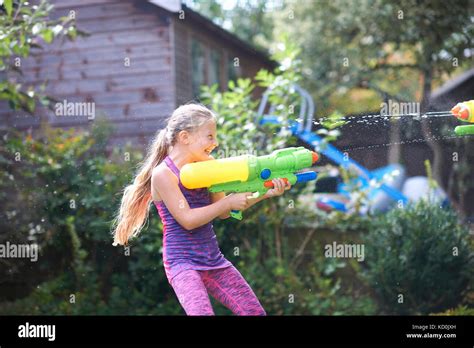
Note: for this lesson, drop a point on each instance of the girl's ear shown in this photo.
(184, 137)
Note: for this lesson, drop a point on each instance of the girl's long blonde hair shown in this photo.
(135, 205)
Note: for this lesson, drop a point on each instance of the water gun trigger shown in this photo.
(236, 214)
(254, 195)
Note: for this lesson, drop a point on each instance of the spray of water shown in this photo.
(420, 140)
(379, 117)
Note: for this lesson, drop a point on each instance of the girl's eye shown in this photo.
(210, 137)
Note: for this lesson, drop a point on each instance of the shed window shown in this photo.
(233, 68)
(215, 68)
(198, 66)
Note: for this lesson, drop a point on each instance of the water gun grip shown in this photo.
(236, 214)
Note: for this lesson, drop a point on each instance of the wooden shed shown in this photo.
(141, 60)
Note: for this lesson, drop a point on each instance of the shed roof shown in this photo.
(205, 22)
(453, 84)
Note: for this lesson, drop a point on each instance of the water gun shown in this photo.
(465, 112)
(250, 173)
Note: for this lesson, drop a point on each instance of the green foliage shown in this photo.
(59, 191)
(75, 291)
(248, 19)
(460, 310)
(422, 253)
(23, 28)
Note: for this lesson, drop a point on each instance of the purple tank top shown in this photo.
(195, 249)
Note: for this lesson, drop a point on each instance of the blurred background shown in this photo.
(84, 86)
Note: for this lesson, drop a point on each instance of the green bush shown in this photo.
(60, 190)
(460, 310)
(419, 259)
(25, 26)
(266, 251)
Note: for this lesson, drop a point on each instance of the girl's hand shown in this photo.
(238, 201)
(279, 187)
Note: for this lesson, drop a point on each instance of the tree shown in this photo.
(23, 28)
(248, 19)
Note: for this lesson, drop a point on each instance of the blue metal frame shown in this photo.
(302, 130)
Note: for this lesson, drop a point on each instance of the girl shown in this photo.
(193, 263)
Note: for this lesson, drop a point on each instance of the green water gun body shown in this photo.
(250, 173)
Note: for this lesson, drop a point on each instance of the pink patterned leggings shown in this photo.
(225, 284)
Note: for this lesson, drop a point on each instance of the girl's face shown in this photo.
(203, 141)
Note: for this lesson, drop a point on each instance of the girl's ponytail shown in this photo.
(136, 199)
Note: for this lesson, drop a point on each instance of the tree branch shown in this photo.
(395, 66)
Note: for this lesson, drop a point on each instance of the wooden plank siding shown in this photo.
(136, 98)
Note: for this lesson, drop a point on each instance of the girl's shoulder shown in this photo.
(162, 172)
(162, 179)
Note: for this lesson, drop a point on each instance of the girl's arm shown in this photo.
(217, 197)
(166, 184)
